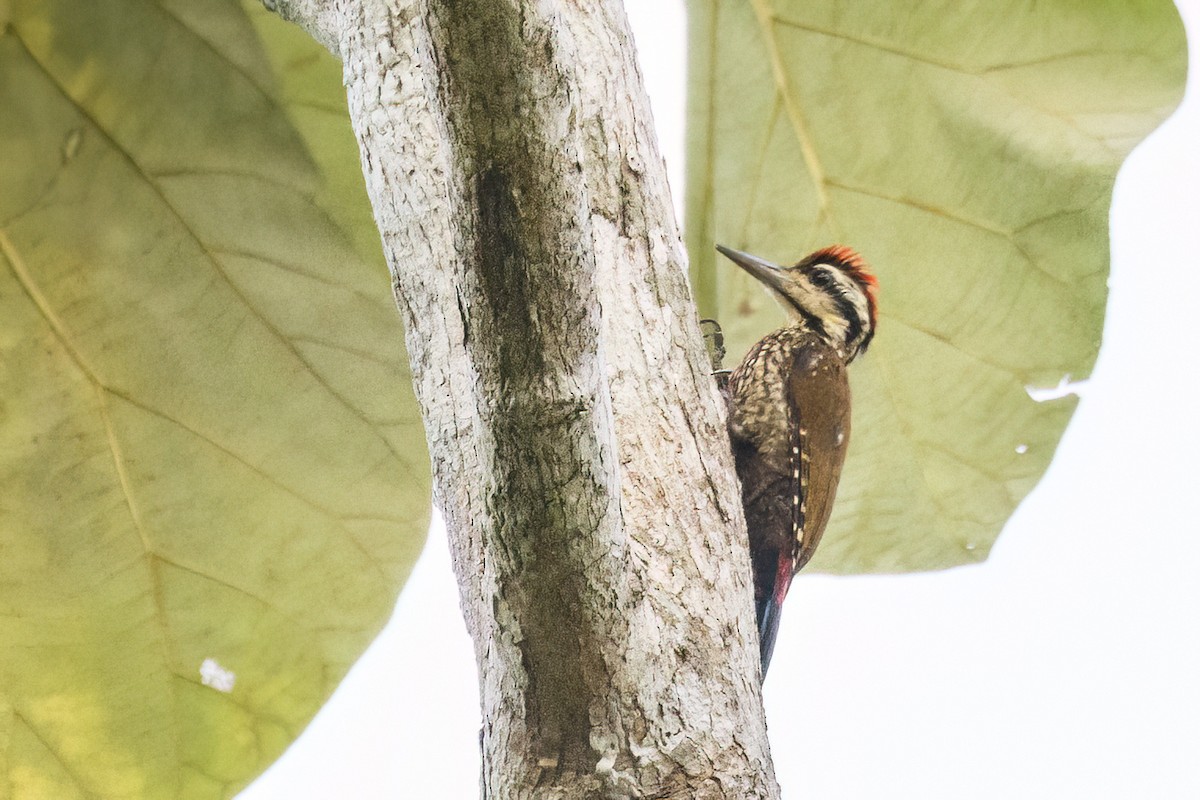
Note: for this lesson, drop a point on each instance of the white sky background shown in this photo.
(1067, 666)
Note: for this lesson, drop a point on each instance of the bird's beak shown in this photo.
(769, 274)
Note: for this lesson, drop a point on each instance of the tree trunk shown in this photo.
(579, 453)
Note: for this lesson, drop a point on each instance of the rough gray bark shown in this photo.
(579, 456)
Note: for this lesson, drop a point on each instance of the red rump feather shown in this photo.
(849, 261)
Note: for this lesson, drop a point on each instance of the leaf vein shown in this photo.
(209, 255)
(766, 20)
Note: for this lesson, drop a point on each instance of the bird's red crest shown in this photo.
(849, 261)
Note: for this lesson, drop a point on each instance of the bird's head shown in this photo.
(831, 292)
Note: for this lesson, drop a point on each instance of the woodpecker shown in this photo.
(789, 414)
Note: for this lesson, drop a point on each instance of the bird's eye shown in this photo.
(821, 278)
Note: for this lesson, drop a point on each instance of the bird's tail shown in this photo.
(768, 610)
(768, 628)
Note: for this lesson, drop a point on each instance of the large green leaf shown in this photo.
(211, 468)
(968, 150)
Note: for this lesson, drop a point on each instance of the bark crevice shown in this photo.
(528, 263)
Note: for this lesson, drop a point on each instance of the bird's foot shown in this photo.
(714, 340)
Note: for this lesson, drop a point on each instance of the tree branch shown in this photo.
(579, 455)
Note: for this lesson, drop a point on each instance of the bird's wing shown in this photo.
(819, 420)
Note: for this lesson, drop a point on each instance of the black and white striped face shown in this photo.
(830, 292)
(832, 301)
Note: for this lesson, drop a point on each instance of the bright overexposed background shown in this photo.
(1067, 666)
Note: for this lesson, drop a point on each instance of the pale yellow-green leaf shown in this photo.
(211, 467)
(968, 151)
(309, 84)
